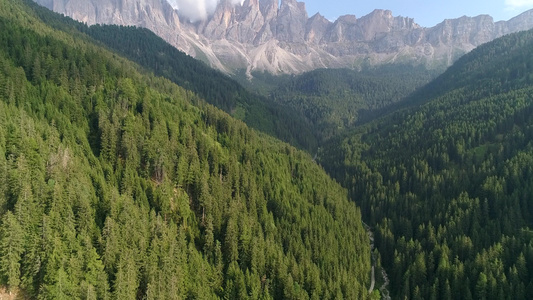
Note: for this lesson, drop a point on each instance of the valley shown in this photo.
(131, 170)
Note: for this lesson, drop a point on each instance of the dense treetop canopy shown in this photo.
(116, 184)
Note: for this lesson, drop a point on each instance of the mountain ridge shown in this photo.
(265, 36)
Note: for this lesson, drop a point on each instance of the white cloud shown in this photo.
(196, 10)
(514, 4)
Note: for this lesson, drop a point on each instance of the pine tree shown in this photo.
(126, 281)
(11, 249)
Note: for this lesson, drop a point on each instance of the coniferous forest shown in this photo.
(446, 181)
(117, 184)
(131, 171)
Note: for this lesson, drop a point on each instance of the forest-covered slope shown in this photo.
(155, 55)
(447, 183)
(334, 100)
(113, 185)
(503, 65)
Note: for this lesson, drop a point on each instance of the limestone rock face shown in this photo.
(316, 28)
(263, 35)
(291, 21)
(121, 12)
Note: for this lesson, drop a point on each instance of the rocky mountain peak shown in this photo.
(269, 8)
(251, 3)
(316, 27)
(294, 4)
(291, 21)
(222, 19)
(381, 21)
(266, 35)
(521, 22)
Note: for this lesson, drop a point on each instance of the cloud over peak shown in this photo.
(197, 10)
(515, 4)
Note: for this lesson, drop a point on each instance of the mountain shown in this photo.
(262, 35)
(155, 55)
(445, 181)
(117, 184)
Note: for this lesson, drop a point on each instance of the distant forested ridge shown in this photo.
(335, 100)
(116, 184)
(447, 181)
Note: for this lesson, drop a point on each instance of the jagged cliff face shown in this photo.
(261, 35)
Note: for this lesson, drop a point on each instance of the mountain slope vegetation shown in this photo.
(335, 100)
(153, 53)
(116, 184)
(446, 182)
(142, 46)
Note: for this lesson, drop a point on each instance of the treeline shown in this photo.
(113, 185)
(447, 183)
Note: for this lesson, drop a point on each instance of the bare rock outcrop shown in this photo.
(261, 35)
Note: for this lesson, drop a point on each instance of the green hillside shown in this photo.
(504, 65)
(447, 182)
(116, 184)
(334, 100)
(162, 59)
(144, 47)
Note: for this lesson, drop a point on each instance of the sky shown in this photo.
(426, 13)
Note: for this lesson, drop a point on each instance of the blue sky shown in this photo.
(427, 13)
